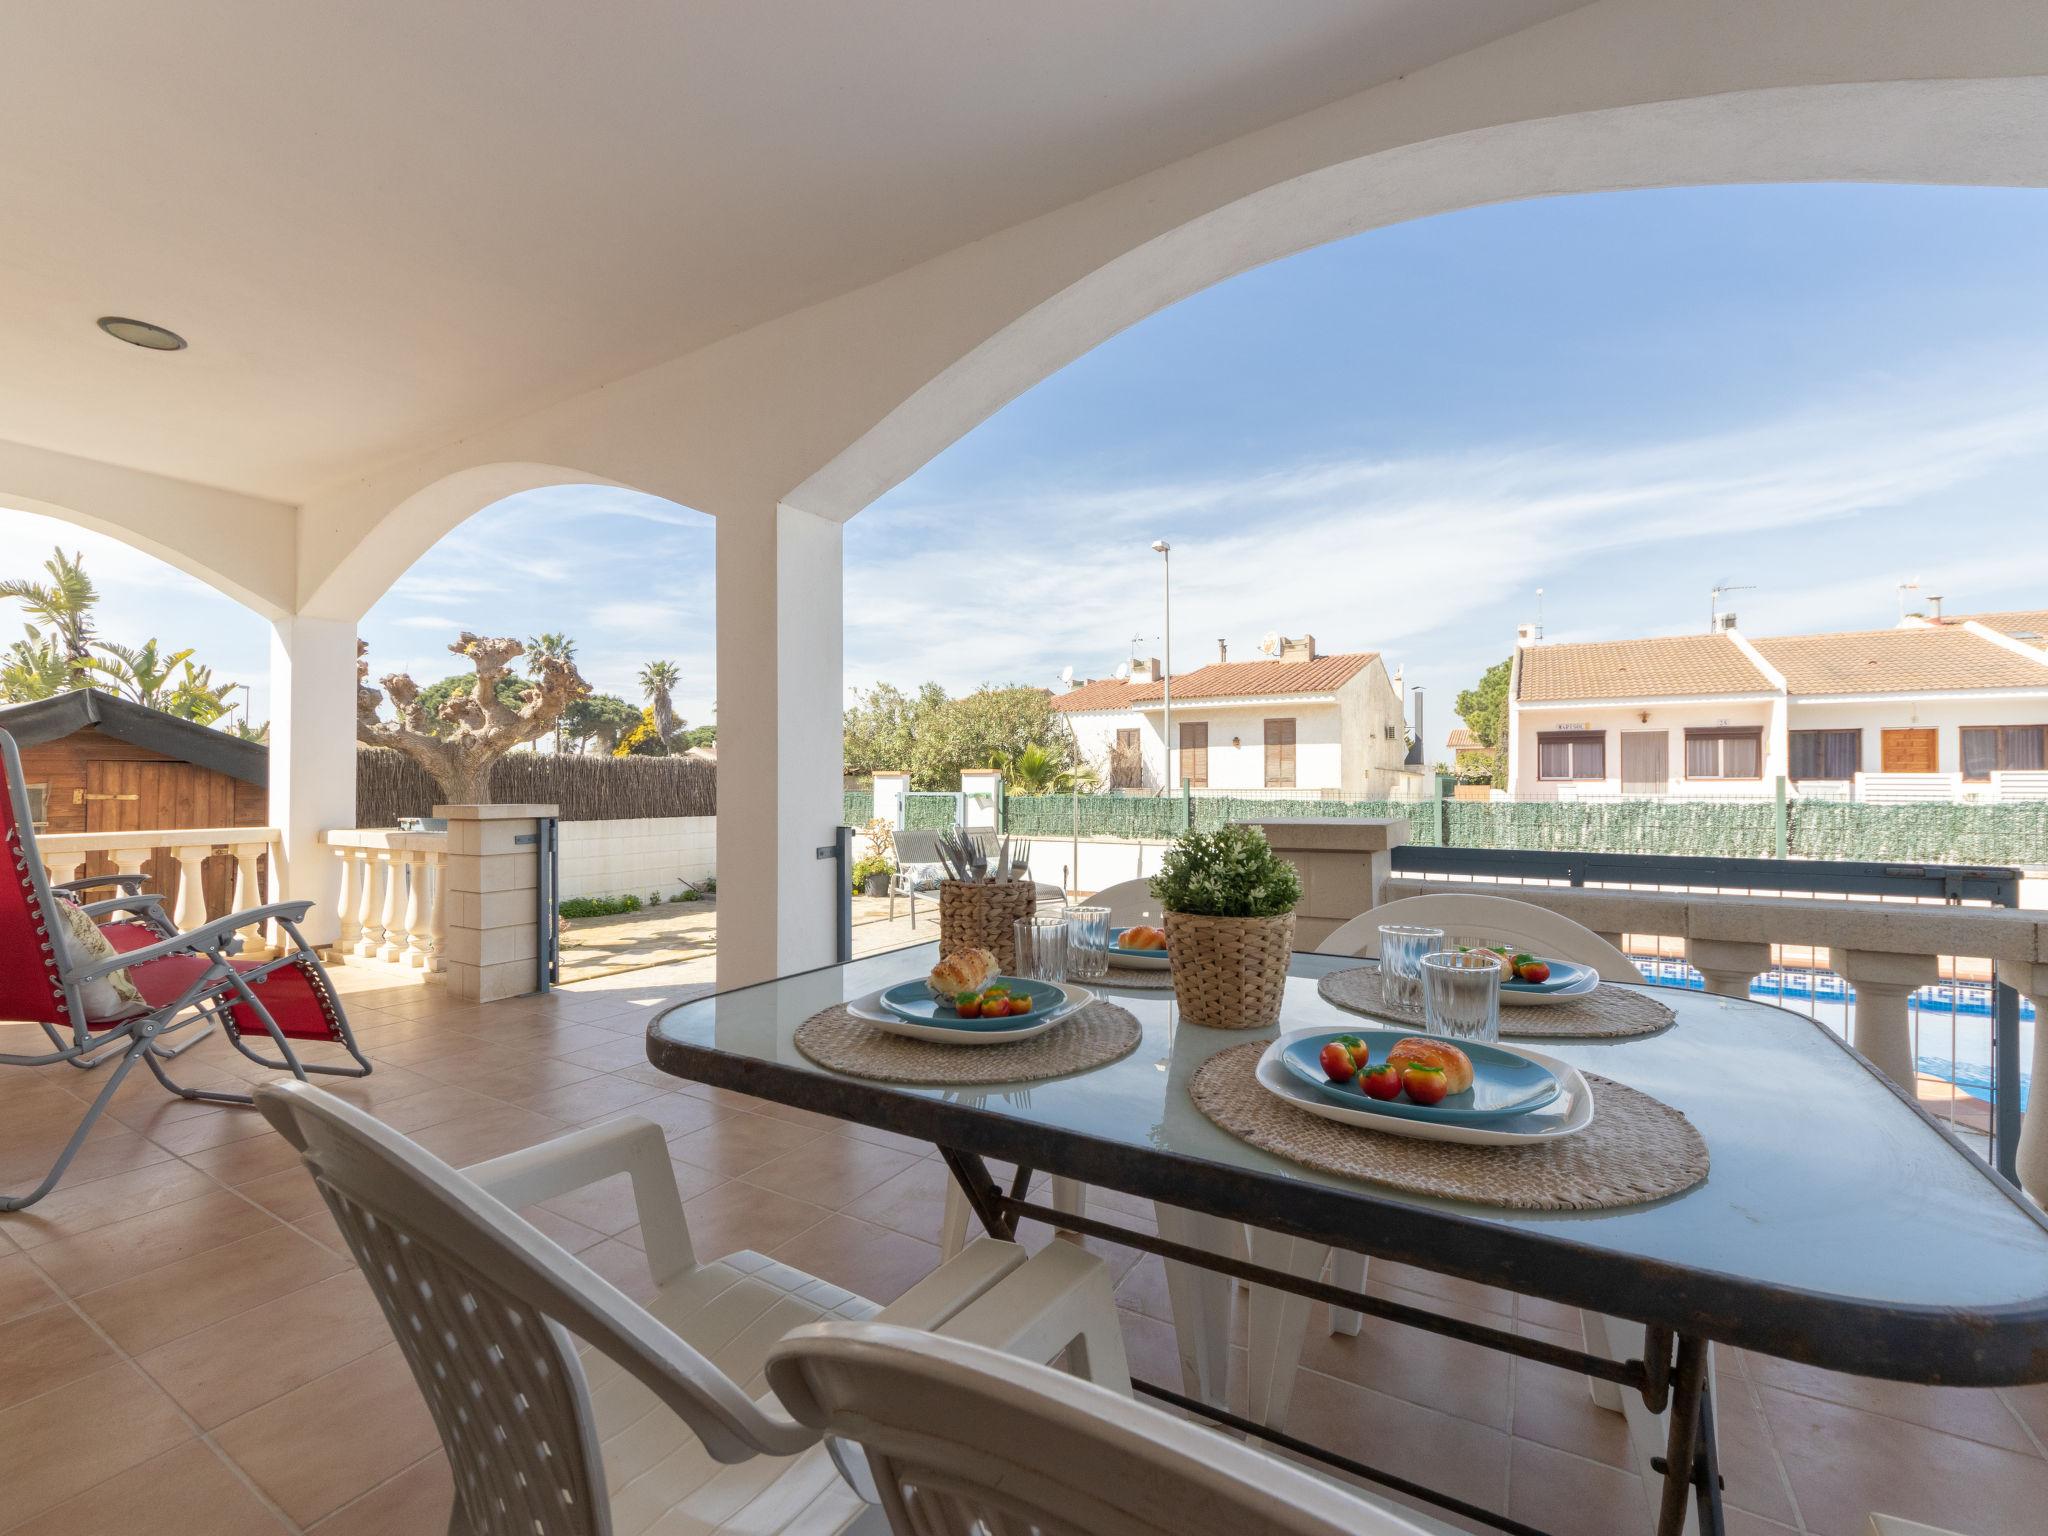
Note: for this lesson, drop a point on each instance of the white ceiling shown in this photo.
(381, 223)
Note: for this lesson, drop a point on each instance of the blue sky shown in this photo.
(1390, 442)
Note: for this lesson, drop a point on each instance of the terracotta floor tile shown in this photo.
(831, 1175)
(194, 1293)
(676, 1113)
(289, 1194)
(629, 1050)
(290, 1450)
(1742, 1523)
(22, 1287)
(1558, 1492)
(1844, 1463)
(1387, 1431)
(45, 1350)
(239, 1364)
(1445, 1374)
(1143, 1290)
(124, 1249)
(111, 1148)
(912, 1201)
(515, 1079)
(740, 1142)
(868, 1260)
(416, 1111)
(595, 1098)
(2031, 1405)
(39, 1439)
(1750, 1464)
(187, 1491)
(734, 1216)
(414, 1503)
(321, 1228)
(1423, 1282)
(80, 1205)
(240, 1161)
(1553, 1408)
(607, 1206)
(572, 1236)
(490, 1133)
(623, 1264)
(882, 1138)
(1978, 1414)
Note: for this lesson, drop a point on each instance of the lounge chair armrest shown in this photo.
(628, 1145)
(129, 883)
(213, 935)
(151, 904)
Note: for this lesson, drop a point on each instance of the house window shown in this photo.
(1194, 753)
(1126, 760)
(39, 806)
(1724, 754)
(1989, 749)
(1571, 755)
(1279, 754)
(1827, 754)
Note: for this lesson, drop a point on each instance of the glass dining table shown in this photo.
(1840, 1226)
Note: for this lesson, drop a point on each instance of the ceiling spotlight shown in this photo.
(140, 333)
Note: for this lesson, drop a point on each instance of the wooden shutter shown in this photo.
(1194, 754)
(1280, 754)
(1910, 751)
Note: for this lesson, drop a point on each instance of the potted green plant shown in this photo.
(1229, 901)
(871, 875)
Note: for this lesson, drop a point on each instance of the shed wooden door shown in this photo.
(1645, 762)
(134, 797)
(1912, 751)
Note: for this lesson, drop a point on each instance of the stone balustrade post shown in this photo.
(1883, 1024)
(190, 912)
(2033, 1147)
(247, 893)
(437, 914)
(493, 920)
(1344, 863)
(392, 948)
(415, 909)
(1728, 966)
(370, 908)
(351, 925)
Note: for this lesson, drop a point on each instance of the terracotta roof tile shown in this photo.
(1671, 666)
(1898, 661)
(1222, 680)
(2028, 624)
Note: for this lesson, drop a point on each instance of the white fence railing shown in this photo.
(248, 853)
(393, 897)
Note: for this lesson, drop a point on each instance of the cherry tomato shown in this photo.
(1336, 1062)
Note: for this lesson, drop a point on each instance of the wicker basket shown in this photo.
(981, 914)
(1228, 972)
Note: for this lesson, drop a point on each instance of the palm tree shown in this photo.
(1036, 771)
(198, 698)
(33, 668)
(540, 649)
(658, 680)
(139, 673)
(65, 604)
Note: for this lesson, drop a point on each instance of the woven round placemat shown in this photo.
(840, 1042)
(1605, 1013)
(1137, 980)
(1636, 1149)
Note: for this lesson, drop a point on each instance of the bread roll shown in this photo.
(1428, 1051)
(968, 970)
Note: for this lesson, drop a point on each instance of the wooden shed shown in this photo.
(97, 763)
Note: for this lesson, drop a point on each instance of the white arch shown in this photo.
(1990, 132)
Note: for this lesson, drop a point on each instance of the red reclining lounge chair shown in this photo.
(185, 980)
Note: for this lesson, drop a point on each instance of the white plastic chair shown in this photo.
(1477, 919)
(659, 1421)
(963, 1441)
(1130, 902)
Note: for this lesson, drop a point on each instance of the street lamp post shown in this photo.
(1165, 552)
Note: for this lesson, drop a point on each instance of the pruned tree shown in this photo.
(471, 730)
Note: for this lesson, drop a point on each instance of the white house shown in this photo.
(1950, 703)
(1294, 721)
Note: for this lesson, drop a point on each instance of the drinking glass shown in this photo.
(1402, 947)
(1042, 948)
(1087, 942)
(1461, 995)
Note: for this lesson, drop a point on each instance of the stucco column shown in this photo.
(312, 760)
(493, 901)
(781, 703)
(1883, 1023)
(1729, 966)
(2033, 1148)
(1344, 864)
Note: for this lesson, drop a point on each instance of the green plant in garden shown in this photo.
(873, 864)
(1230, 872)
(691, 896)
(1484, 709)
(599, 906)
(1037, 771)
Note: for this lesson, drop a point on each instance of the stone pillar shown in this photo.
(2033, 1148)
(492, 906)
(1728, 965)
(312, 761)
(891, 786)
(1883, 1024)
(781, 701)
(1344, 864)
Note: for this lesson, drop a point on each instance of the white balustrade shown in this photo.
(186, 849)
(393, 900)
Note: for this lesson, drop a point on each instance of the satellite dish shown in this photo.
(1067, 676)
(1123, 671)
(1270, 645)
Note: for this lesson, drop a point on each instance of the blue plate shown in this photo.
(1504, 1084)
(1564, 975)
(1141, 959)
(913, 1000)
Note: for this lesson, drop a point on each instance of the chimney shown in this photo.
(1146, 671)
(1414, 758)
(1525, 634)
(1723, 623)
(1934, 609)
(1222, 652)
(1296, 652)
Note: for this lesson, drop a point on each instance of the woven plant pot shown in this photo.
(981, 914)
(1228, 972)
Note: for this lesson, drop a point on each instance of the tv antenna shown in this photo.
(1904, 588)
(1539, 613)
(1714, 596)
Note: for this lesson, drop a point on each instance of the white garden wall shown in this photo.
(637, 857)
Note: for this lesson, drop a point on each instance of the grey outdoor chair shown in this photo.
(918, 870)
(148, 980)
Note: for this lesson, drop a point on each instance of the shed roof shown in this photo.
(66, 714)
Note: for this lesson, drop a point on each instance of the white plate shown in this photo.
(1511, 999)
(870, 1009)
(1138, 959)
(1566, 1115)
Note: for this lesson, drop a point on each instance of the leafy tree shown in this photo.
(33, 668)
(658, 680)
(599, 720)
(433, 698)
(880, 726)
(140, 673)
(700, 736)
(198, 698)
(1036, 771)
(1484, 709)
(64, 603)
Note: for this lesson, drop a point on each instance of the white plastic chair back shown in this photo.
(1130, 902)
(1485, 920)
(480, 1303)
(964, 1441)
